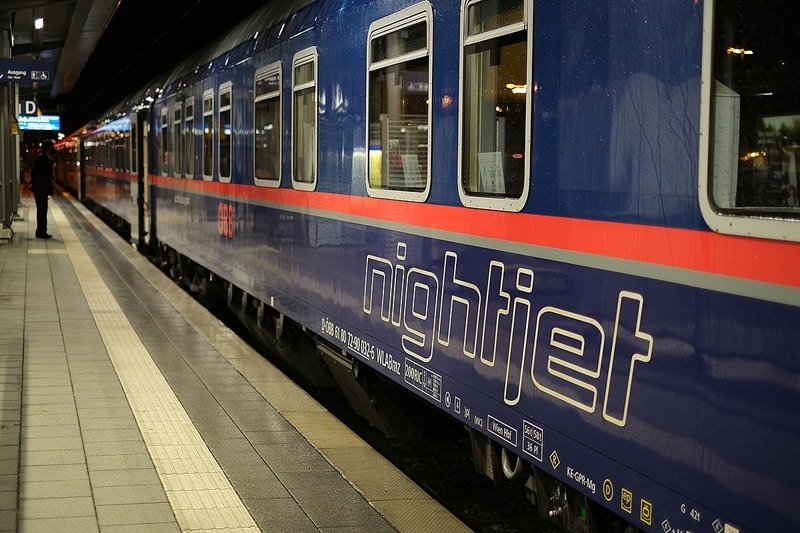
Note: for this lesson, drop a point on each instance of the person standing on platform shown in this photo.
(42, 186)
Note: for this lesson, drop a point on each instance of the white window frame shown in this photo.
(189, 138)
(265, 72)
(224, 88)
(177, 140)
(733, 223)
(385, 26)
(133, 145)
(499, 203)
(164, 141)
(208, 94)
(308, 55)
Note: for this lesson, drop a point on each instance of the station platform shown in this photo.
(126, 406)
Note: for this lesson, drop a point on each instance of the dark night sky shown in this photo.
(143, 39)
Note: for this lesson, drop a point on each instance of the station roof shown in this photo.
(70, 33)
(102, 50)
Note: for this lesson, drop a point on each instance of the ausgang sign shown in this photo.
(26, 70)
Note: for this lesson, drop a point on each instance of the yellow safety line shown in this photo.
(197, 489)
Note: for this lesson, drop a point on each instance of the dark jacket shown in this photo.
(42, 175)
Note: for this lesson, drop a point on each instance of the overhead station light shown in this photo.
(517, 89)
(736, 51)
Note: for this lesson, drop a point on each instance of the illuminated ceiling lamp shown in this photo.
(517, 89)
(739, 51)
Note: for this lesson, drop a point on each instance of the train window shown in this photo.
(96, 151)
(107, 158)
(208, 135)
(122, 150)
(304, 119)
(398, 89)
(750, 160)
(134, 146)
(165, 153)
(108, 145)
(225, 132)
(114, 143)
(110, 148)
(495, 104)
(188, 137)
(267, 129)
(177, 139)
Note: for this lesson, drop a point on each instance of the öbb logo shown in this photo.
(225, 220)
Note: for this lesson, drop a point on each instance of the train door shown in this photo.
(140, 191)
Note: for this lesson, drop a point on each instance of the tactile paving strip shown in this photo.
(197, 489)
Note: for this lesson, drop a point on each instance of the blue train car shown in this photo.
(103, 164)
(572, 226)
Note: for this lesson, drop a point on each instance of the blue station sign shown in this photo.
(26, 70)
(42, 123)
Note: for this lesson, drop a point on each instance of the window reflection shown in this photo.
(267, 131)
(495, 100)
(756, 107)
(225, 132)
(399, 83)
(208, 135)
(304, 131)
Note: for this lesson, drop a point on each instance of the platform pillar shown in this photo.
(9, 154)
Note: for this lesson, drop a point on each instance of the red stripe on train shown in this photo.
(767, 261)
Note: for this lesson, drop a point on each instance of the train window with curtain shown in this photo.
(398, 93)
(188, 137)
(177, 139)
(496, 106)
(165, 153)
(750, 166)
(208, 135)
(304, 119)
(267, 126)
(225, 131)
